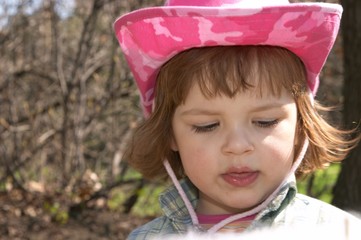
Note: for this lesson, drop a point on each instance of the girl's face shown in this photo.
(236, 151)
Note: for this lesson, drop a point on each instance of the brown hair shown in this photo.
(224, 70)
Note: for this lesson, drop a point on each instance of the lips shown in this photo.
(240, 177)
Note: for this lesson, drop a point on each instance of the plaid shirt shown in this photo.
(289, 208)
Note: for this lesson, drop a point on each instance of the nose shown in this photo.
(238, 142)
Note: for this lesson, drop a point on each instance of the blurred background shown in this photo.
(68, 104)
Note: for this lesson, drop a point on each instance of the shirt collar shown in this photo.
(172, 203)
(175, 209)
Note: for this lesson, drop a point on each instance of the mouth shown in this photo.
(242, 177)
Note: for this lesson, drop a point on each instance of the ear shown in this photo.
(173, 144)
(296, 139)
(298, 133)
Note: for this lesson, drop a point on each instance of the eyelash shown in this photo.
(266, 124)
(205, 128)
(211, 127)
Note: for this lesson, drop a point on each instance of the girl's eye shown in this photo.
(266, 124)
(205, 128)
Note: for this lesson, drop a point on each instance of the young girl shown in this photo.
(227, 89)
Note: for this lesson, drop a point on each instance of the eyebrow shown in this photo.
(198, 111)
(210, 112)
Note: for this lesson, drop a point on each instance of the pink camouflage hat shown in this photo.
(149, 37)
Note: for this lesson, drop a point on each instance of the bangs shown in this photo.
(229, 70)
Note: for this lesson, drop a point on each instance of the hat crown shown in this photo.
(224, 3)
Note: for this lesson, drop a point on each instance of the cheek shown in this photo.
(283, 155)
(280, 149)
(285, 142)
(194, 159)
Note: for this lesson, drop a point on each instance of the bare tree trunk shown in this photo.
(67, 99)
(347, 191)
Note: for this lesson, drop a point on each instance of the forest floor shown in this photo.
(24, 216)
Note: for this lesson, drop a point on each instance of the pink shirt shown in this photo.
(207, 221)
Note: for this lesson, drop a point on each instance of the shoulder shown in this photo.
(319, 207)
(307, 210)
(156, 227)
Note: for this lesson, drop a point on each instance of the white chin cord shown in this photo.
(235, 217)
